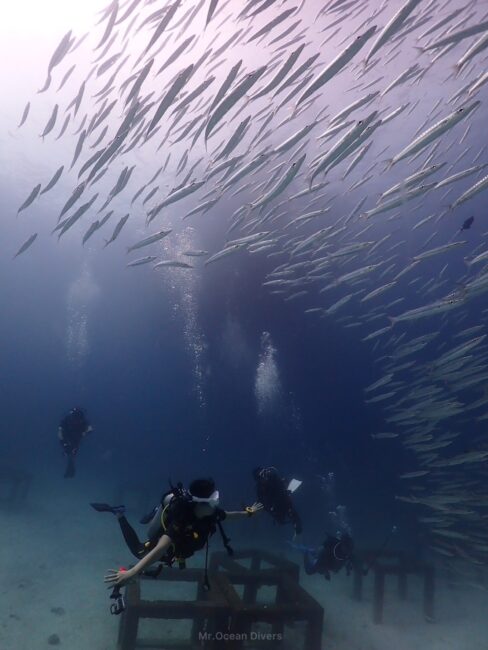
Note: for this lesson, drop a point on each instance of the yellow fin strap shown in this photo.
(249, 511)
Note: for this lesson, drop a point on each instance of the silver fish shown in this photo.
(142, 260)
(32, 196)
(117, 230)
(24, 115)
(337, 64)
(51, 122)
(27, 244)
(53, 180)
(149, 240)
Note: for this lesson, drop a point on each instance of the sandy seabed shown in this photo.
(54, 551)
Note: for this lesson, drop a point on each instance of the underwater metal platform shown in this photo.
(229, 615)
(384, 563)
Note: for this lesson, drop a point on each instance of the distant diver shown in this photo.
(72, 429)
(275, 493)
(179, 526)
(467, 224)
(334, 554)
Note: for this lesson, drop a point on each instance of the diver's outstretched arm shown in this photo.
(247, 512)
(118, 578)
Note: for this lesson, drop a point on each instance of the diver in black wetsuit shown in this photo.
(275, 494)
(72, 429)
(179, 526)
(334, 554)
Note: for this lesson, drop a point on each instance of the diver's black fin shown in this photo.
(104, 507)
(70, 468)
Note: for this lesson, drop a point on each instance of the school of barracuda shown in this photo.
(286, 134)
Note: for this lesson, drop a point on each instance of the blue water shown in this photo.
(206, 372)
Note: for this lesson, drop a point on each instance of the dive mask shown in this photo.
(213, 500)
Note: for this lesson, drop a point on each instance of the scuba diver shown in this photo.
(72, 429)
(335, 553)
(178, 527)
(275, 493)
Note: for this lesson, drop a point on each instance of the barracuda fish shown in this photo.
(175, 196)
(342, 145)
(227, 83)
(142, 260)
(413, 180)
(457, 37)
(150, 240)
(380, 398)
(331, 131)
(211, 10)
(404, 76)
(282, 184)
(294, 139)
(459, 351)
(66, 76)
(297, 74)
(51, 122)
(24, 115)
(272, 24)
(179, 50)
(172, 263)
(392, 27)
(234, 139)
(258, 161)
(117, 230)
(441, 23)
(150, 195)
(195, 253)
(438, 250)
(228, 102)
(168, 17)
(65, 225)
(225, 252)
(53, 181)
(337, 64)
(58, 55)
(170, 95)
(194, 94)
(111, 13)
(358, 273)
(469, 457)
(394, 113)
(27, 244)
(203, 207)
(101, 158)
(441, 127)
(400, 200)
(104, 220)
(367, 99)
(477, 47)
(76, 102)
(438, 307)
(482, 80)
(93, 228)
(482, 257)
(472, 191)
(376, 334)
(79, 147)
(378, 291)
(381, 382)
(30, 199)
(282, 72)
